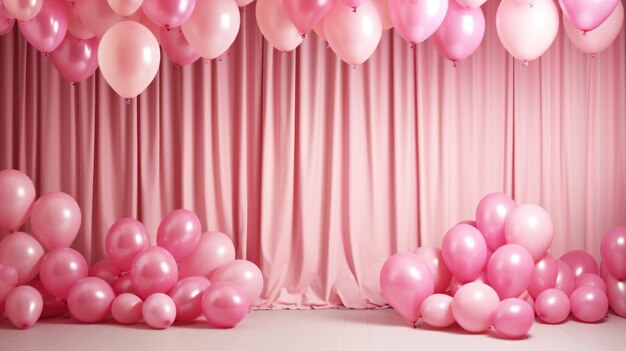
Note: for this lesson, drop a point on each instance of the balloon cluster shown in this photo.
(496, 271)
(188, 273)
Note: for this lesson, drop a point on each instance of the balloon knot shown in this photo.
(525, 63)
(46, 54)
(303, 35)
(353, 66)
(585, 33)
(454, 64)
(242, 9)
(127, 101)
(354, 9)
(74, 84)
(412, 46)
(592, 56)
(167, 28)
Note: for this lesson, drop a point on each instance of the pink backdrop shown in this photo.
(320, 171)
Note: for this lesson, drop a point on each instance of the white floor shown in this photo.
(304, 330)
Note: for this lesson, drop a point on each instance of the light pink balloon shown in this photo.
(510, 270)
(416, 21)
(458, 37)
(60, 269)
(23, 306)
(513, 318)
(159, 311)
(52, 306)
(406, 282)
(305, 14)
(90, 299)
(127, 309)
(243, 273)
(353, 36)
(464, 252)
(433, 258)
(473, 305)
(125, 7)
(616, 292)
(75, 25)
(565, 279)
(176, 46)
(4, 13)
(153, 270)
(552, 306)
(580, 262)
(213, 27)
(124, 284)
(224, 304)
(23, 10)
(22, 252)
(125, 238)
(604, 270)
(383, 8)
(527, 32)
(17, 195)
(76, 59)
(46, 31)
(179, 233)
(589, 304)
(6, 26)
(55, 220)
(97, 15)
(492, 212)
(471, 3)
(275, 26)
(354, 3)
(587, 15)
(213, 250)
(544, 276)
(529, 226)
(187, 295)
(436, 310)
(613, 251)
(597, 40)
(105, 270)
(8, 281)
(589, 279)
(169, 13)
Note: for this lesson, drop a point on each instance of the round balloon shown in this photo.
(464, 252)
(589, 304)
(276, 26)
(153, 270)
(491, 214)
(224, 304)
(60, 269)
(599, 39)
(158, 311)
(76, 59)
(213, 250)
(90, 299)
(46, 30)
(56, 220)
(580, 262)
(473, 305)
(126, 309)
(243, 273)
(552, 306)
(187, 295)
(436, 310)
(125, 238)
(529, 226)
(22, 252)
(212, 27)
(179, 233)
(513, 318)
(23, 306)
(613, 251)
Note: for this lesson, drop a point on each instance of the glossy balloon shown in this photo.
(552, 306)
(127, 309)
(473, 305)
(90, 299)
(125, 238)
(60, 269)
(491, 214)
(433, 258)
(604, 271)
(510, 270)
(458, 37)
(613, 251)
(169, 13)
(159, 311)
(276, 26)
(588, 279)
(587, 15)
(153, 270)
(213, 250)
(513, 318)
(176, 46)
(455, 284)
(179, 233)
(589, 304)
(23, 306)
(599, 39)
(224, 304)
(471, 3)
(436, 310)
(105, 270)
(464, 252)
(187, 295)
(17, 195)
(305, 14)
(8, 281)
(125, 7)
(529, 226)
(55, 220)
(616, 292)
(212, 27)
(76, 59)
(46, 31)
(544, 276)
(52, 306)
(124, 284)
(565, 279)
(22, 252)
(416, 21)
(23, 10)
(580, 262)
(75, 25)
(243, 273)
(97, 15)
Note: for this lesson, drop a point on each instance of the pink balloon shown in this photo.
(125, 7)
(243, 273)
(565, 279)
(153, 270)
(527, 32)
(23, 10)
(473, 306)
(46, 31)
(75, 25)
(455, 284)
(213, 27)
(176, 46)
(433, 258)
(529, 226)
(224, 304)
(60, 269)
(4, 13)
(125, 238)
(17, 195)
(528, 299)
(105, 270)
(353, 3)
(414, 20)
(456, 39)
(580, 262)
(169, 13)
(179, 233)
(276, 26)
(492, 210)
(353, 36)
(159, 311)
(513, 318)
(383, 8)
(599, 39)
(589, 304)
(90, 299)
(305, 14)
(474, 4)
(22, 252)
(544, 277)
(552, 306)
(436, 310)
(589, 279)
(187, 295)
(76, 59)
(8, 281)
(406, 282)
(6, 26)
(126, 309)
(55, 220)
(97, 15)
(510, 270)
(52, 306)
(604, 270)
(23, 306)
(464, 252)
(213, 250)
(124, 284)
(613, 251)
(587, 15)
(616, 291)
(319, 30)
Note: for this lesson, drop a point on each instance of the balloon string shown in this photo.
(454, 64)
(412, 46)
(525, 63)
(354, 9)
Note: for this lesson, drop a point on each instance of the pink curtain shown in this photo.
(320, 171)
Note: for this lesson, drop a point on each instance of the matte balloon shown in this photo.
(589, 304)
(169, 13)
(473, 305)
(353, 36)
(90, 299)
(22, 252)
(464, 252)
(552, 306)
(52, 306)
(55, 220)
(529, 226)
(213, 250)
(513, 318)
(616, 292)
(17, 195)
(213, 27)
(544, 276)
(305, 14)
(23, 10)
(243, 273)
(383, 8)
(187, 295)
(459, 35)
(510, 270)
(580, 262)
(416, 21)
(565, 279)
(6, 26)
(276, 26)
(599, 39)
(436, 310)
(433, 258)
(75, 25)
(588, 279)
(127, 309)
(176, 46)
(491, 214)
(613, 251)
(60, 269)
(97, 15)
(125, 238)
(124, 284)
(471, 3)
(125, 7)
(587, 15)
(46, 31)
(159, 311)
(179, 233)
(105, 270)
(8, 281)
(23, 306)
(76, 59)
(153, 270)
(406, 282)
(224, 304)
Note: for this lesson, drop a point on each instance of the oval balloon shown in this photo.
(464, 252)
(212, 27)
(473, 305)
(22, 252)
(76, 59)
(224, 304)
(90, 299)
(179, 233)
(613, 251)
(60, 269)
(213, 250)
(459, 35)
(153, 270)
(243, 273)
(545, 275)
(597, 40)
(126, 309)
(187, 295)
(510, 270)
(276, 26)
(587, 15)
(305, 14)
(56, 220)
(23, 306)
(530, 226)
(552, 306)
(416, 21)
(125, 238)
(46, 31)
(176, 46)
(23, 10)
(158, 311)
(17, 195)
(491, 214)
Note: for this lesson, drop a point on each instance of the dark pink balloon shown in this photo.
(176, 46)
(224, 304)
(179, 233)
(433, 258)
(52, 306)
(105, 270)
(89, 300)
(76, 59)
(565, 279)
(55, 220)
(456, 39)
(510, 270)
(513, 318)
(126, 309)
(587, 15)
(158, 311)
(580, 262)
(168, 13)
(23, 306)
(464, 252)
(613, 251)
(213, 250)
(544, 277)
(60, 269)
(8, 281)
(187, 295)
(414, 20)
(46, 31)
(552, 306)
(124, 284)
(243, 273)
(589, 304)
(616, 291)
(153, 271)
(588, 279)
(492, 211)
(306, 14)
(22, 252)
(125, 238)
(17, 195)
